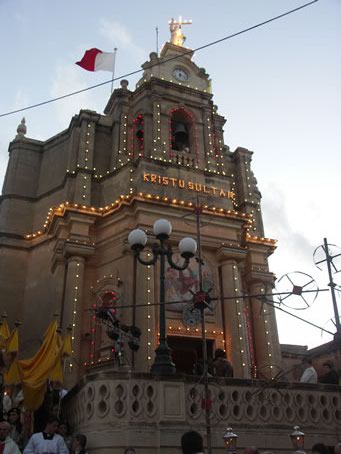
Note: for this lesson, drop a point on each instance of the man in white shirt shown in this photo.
(310, 374)
(7, 445)
(47, 441)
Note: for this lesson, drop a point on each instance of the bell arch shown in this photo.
(182, 131)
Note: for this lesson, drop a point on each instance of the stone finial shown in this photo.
(124, 84)
(21, 129)
(153, 56)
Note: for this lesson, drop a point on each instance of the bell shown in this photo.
(180, 132)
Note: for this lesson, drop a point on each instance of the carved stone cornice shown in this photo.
(256, 276)
(71, 247)
(235, 254)
(78, 248)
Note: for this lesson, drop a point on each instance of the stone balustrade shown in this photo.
(183, 159)
(150, 412)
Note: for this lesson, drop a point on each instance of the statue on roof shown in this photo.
(177, 37)
(21, 129)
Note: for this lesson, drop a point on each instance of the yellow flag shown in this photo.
(45, 365)
(12, 376)
(56, 373)
(4, 330)
(67, 345)
(12, 344)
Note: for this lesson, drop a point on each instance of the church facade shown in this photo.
(69, 203)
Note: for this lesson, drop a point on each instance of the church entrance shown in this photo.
(187, 354)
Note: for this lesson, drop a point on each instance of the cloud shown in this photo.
(20, 100)
(120, 37)
(67, 80)
(293, 245)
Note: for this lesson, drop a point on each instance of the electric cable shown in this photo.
(261, 297)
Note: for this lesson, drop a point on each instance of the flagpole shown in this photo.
(157, 40)
(113, 70)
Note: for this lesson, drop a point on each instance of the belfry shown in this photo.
(67, 207)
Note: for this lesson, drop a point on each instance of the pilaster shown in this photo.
(159, 125)
(267, 348)
(146, 316)
(234, 310)
(72, 312)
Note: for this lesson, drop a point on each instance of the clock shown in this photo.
(180, 74)
(191, 316)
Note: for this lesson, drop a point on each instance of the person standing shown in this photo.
(221, 366)
(47, 441)
(310, 374)
(63, 431)
(7, 445)
(330, 376)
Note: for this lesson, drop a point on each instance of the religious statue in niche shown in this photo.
(181, 285)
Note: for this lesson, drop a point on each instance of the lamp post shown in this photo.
(137, 239)
(297, 439)
(230, 440)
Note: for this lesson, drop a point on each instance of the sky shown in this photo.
(279, 87)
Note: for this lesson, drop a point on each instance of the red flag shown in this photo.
(96, 60)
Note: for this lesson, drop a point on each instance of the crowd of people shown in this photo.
(53, 439)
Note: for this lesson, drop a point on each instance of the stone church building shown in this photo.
(67, 207)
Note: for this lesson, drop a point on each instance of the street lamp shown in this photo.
(230, 440)
(297, 440)
(137, 239)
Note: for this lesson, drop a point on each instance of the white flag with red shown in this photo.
(96, 60)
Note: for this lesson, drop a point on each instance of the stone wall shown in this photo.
(117, 410)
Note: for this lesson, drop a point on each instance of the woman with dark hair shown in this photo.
(16, 432)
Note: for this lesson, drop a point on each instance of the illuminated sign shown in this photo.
(173, 182)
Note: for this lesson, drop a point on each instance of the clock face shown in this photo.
(180, 74)
(191, 316)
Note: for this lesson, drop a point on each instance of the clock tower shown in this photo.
(171, 137)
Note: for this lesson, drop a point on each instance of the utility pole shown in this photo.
(332, 285)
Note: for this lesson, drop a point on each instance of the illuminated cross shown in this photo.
(177, 37)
